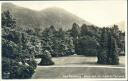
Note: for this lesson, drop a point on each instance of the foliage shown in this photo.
(87, 46)
(59, 43)
(108, 49)
(46, 58)
(75, 31)
(106, 43)
(8, 20)
(17, 60)
(86, 39)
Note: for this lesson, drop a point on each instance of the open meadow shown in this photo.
(79, 67)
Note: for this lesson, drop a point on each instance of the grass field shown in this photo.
(79, 67)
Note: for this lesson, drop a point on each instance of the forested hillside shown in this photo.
(27, 18)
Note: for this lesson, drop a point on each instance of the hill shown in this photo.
(58, 17)
(121, 25)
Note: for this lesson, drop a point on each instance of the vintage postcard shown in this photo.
(69, 40)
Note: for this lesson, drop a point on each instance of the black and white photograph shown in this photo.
(64, 40)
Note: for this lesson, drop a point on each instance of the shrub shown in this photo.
(46, 58)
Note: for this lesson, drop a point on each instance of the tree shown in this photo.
(48, 38)
(57, 42)
(122, 43)
(75, 31)
(112, 57)
(87, 46)
(8, 20)
(108, 48)
(84, 30)
(102, 48)
(14, 56)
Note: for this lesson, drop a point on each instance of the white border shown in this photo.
(84, 79)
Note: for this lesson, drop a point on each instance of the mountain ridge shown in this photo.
(55, 16)
(58, 17)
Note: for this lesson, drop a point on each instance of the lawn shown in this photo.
(79, 67)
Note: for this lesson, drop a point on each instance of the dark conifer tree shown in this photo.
(75, 33)
(113, 51)
(84, 30)
(102, 53)
(108, 49)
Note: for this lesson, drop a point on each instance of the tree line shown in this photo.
(21, 46)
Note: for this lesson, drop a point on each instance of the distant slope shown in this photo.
(121, 25)
(25, 17)
(58, 17)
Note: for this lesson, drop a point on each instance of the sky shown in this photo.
(100, 13)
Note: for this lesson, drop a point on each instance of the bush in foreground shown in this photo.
(46, 58)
